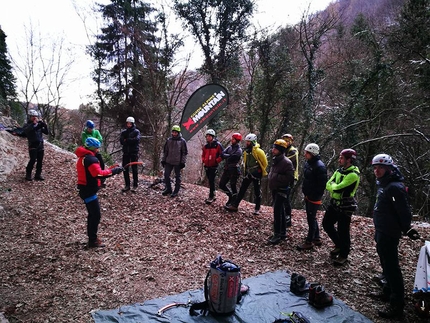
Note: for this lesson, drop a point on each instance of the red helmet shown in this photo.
(237, 136)
(349, 153)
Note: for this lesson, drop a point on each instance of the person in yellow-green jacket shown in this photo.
(342, 187)
(255, 164)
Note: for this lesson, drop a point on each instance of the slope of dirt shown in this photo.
(155, 246)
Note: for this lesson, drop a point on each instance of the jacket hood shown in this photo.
(81, 151)
(394, 176)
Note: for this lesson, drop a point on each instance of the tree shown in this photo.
(7, 79)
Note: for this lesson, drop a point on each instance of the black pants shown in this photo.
(279, 221)
(93, 218)
(211, 175)
(256, 181)
(387, 248)
(167, 171)
(340, 236)
(128, 159)
(311, 215)
(229, 175)
(36, 155)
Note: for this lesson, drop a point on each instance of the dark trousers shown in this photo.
(229, 175)
(167, 171)
(256, 182)
(93, 218)
(279, 222)
(387, 248)
(211, 174)
(287, 208)
(311, 215)
(341, 236)
(128, 159)
(36, 155)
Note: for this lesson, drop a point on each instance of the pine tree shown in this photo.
(7, 79)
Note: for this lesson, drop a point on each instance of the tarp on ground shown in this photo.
(268, 299)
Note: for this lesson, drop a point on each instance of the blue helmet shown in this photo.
(92, 143)
(90, 124)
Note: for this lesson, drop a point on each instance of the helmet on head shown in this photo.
(349, 153)
(92, 143)
(314, 149)
(89, 124)
(383, 159)
(280, 144)
(176, 128)
(33, 113)
(210, 132)
(130, 119)
(287, 137)
(251, 137)
(237, 136)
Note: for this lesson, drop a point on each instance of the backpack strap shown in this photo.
(203, 306)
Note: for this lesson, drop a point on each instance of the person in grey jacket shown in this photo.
(174, 158)
(281, 177)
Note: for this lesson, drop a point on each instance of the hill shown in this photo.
(155, 245)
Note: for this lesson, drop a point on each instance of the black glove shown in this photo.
(117, 170)
(182, 165)
(413, 234)
(163, 163)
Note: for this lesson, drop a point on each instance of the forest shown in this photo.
(356, 75)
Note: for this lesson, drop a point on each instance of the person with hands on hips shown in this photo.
(392, 218)
(89, 180)
(130, 139)
(34, 130)
(175, 153)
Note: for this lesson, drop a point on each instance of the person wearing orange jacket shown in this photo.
(89, 181)
(211, 156)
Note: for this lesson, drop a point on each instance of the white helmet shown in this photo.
(313, 149)
(33, 113)
(251, 137)
(382, 159)
(130, 119)
(210, 132)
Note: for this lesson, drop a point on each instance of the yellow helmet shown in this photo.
(280, 144)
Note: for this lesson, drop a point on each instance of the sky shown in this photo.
(72, 21)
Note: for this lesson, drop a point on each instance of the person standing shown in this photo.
(90, 131)
(130, 139)
(174, 158)
(89, 175)
(293, 155)
(314, 181)
(342, 186)
(231, 173)
(255, 164)
(392, 218)
(211, 156)
(34, 130)
(281, 177)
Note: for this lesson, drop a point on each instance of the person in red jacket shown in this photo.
(211, 157)
(89, 182)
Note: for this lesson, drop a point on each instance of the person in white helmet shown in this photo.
(313, 187)
(130, 139)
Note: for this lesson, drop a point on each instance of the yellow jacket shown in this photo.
(259, 156)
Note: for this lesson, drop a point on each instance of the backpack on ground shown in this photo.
(222, 289)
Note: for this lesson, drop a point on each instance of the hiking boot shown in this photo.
(322, 298)
(209, 200)
(275, 239)
(134, 189)
(96, 244)
(380, 296)
(39, 178)
(125, 189)
(174, 194)
(166, 192)
(335, 252)
(317, 242)
(298, 284)
(256, 212)
(311, 295)
(391, 312)
(305, 246)
(28, 178)
(340, 261)
(231, 207)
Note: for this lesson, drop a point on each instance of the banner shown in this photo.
(201, 107)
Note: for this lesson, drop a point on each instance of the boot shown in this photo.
(298, 284)
(322, 298)
(391, 312)
(39, 177)
(28, 176)
(305, 246)
(311, 296)
(167, 191)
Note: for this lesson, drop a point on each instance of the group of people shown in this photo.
(392, 213)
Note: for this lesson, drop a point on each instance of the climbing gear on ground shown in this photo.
(294, 317)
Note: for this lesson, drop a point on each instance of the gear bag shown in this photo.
(222, 288)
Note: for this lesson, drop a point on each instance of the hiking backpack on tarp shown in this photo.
(222, 288)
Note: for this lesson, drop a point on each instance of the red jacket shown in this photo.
(211, 154)
(88, 168)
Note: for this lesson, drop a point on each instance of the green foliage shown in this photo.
(7, 79)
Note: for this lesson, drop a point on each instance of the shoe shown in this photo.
(209, 200)
(305, 246)
(391, 313)
(39, 178)
(322, 298)
(340, 261)
(380, 296)
(28, 178)
(166, 192)
(334, 253)
(96, 244)
(256, 212)
(174, 194)
(311, 295)
(380, 279)
(134, 189)
(317, 242)
(298, 284)
(125, 189)
(231, 208)
(275, 239)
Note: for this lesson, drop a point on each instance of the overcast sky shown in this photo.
(55, 19)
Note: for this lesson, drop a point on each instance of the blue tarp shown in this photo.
(268, 299)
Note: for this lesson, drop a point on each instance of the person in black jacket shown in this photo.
(34, 130)
(314, 182)
(129, 139)
(281, 177)
(392, 218)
